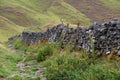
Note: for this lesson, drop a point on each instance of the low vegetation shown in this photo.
(70, 67)
(8, 62)
(44, 52)
(66, 65)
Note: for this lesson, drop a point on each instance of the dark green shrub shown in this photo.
(44, 52)
(66, 68)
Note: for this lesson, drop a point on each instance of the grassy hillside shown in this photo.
(36, 14)
(97, 10)
(8, 28)
(39, 14)
(113, 4)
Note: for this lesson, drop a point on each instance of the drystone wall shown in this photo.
(103, 37)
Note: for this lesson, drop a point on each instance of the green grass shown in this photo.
(8, 29)
(113, 4)
(44, 52)
(8, 62)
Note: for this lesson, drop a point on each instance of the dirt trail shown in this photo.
(94, 10)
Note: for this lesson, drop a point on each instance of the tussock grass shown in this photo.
(70, 66)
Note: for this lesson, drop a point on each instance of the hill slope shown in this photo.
(8, 28)
(39, 14)
(97, 10)
(36, 14)
(113, 4)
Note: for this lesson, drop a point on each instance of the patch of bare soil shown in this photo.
(94, 10)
